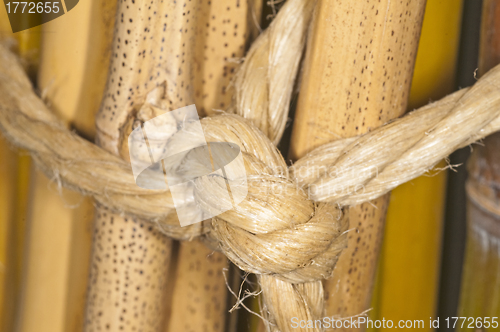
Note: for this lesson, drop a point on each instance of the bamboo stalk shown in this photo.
(8, 172)
(200, 293)
(230, 38)
(7, 197)
(29, 48)
(224, 30)
(5, 29)
(16, 205)
(58, 251)
(357, 75)
(14, 179)
(411, 250)
(480, 289)
(153, 49)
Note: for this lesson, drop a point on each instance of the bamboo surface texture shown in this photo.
(411, 249)
(199, 291)
(360, 60)
(7, 195)
(130, 264)
(75, 53)
(480, 289)
(14, 186)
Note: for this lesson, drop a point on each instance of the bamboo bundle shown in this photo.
(411, 248)
(363, 67)
(480, 289)
(213, 47)
(152, 71)
(297, 262)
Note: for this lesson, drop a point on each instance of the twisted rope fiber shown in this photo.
(401, 150)
(285, 230)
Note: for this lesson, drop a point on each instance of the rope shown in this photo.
(377, 161)
(291, 227)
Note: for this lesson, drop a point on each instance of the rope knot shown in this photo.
(276, 230)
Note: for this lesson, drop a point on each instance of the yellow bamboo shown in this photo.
(14, 200)
(14, 184)
(7, 188)
(8, 168)
(29, 48)
(411, 250)
(357, 74)
(153, 46)
(5, 30)
(224, 31)
(75, 53)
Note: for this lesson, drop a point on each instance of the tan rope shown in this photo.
(401, 150)
(264, 83)
(281, 231)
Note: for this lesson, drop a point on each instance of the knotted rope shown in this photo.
(278, 230)
(290, 227)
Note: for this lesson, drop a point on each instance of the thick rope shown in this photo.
(400, 150)
(281, 230)
(266, 78)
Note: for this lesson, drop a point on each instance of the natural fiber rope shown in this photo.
(281, 230)
(400, 150)
(265, 80)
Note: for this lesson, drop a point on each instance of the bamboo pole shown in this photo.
(489, 43)
(58, 246)
(7, 209)
(411, 250)
(213, 33)
(15, 187)
(357, 75)
(7, 197)
(5, 29)
(480, 289)
(14, 180)
(153, 49)
(224, 31)
(29, 48)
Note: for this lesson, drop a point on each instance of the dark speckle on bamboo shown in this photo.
(128, 269)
